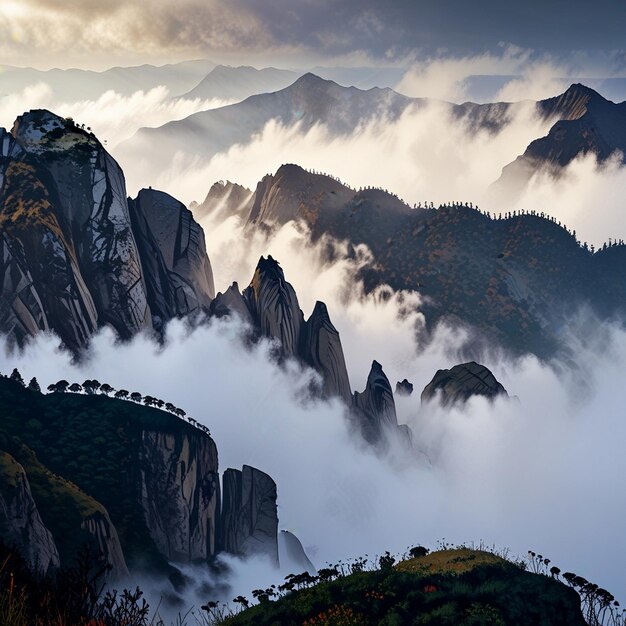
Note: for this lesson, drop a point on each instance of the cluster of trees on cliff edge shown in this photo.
(91, 387)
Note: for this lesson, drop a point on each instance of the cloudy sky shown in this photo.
(92, 33)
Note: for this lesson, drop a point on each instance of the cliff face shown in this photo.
(20, 521)
(274, 306)
(180, 494)
(105, 539)
(249, 514)
(76, 255)
(178, 271)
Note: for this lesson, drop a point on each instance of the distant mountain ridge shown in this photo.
(76, 85)
(238, 83)
(587, 124)
(583, 121)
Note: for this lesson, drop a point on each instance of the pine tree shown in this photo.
(17, 377)
(33, 385)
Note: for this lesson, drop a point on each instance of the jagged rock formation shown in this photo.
(274, 306)
(20, 522)
(375, 407)
(321, 349)
(180, 494)
(270, 305)
(249, 518)
(404, 388)
(461, 382)
(69, 255)
(292, 556)
(178, 272)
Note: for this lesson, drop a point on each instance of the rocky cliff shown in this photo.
(375, 408)
(180, 494)
(461, 382)
(70, 260)
(20, 521)
(138, 485)
(179, 279)
(106, 542)
(270, 306)
(249, 514)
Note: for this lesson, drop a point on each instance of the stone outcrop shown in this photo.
(461, 382)
(75, 255)
(404, 388)
(177, 270)
(20, 522)
(274, 306)
(180, 494)
(292, 556)
(374, 407)
(270, 306)
(321, 349)
(249, 520)
(105, 539)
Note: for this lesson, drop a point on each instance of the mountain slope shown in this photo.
(518, 281)
(237, 83)
(308, 101)
(449, 587)
(587, 124)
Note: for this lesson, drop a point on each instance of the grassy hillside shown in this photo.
(455, 587)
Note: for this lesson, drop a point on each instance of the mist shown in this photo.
(113, 117)
(538, 473)
(425, 156)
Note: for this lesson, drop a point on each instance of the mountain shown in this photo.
(77, 85)
(461, 382)
(519, 281)
(138, 484)
(586, 123)
(76, 254)
(308, 101)
(238, 83)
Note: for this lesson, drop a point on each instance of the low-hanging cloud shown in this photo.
(542, 473)
(112, 117)
(426, 154)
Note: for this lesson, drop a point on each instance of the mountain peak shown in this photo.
(312, 80)
(39, 130)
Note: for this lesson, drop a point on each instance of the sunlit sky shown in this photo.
(101, 33)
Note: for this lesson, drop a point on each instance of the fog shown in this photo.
(543, 473)
(112, 117)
